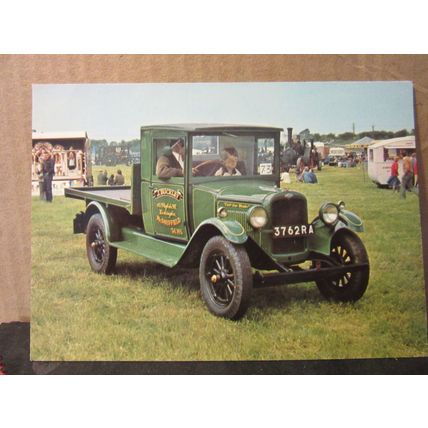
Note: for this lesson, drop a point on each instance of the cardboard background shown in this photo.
(19, 72)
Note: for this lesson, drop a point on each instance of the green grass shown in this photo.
(147, 312)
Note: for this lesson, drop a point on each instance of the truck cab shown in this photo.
(209, 197)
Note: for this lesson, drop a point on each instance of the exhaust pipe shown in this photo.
(290, 136)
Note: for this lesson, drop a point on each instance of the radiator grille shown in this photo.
(288, 212)
(240, 217)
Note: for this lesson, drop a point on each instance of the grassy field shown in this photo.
(148, 312)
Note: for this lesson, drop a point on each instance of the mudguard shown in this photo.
(320, 241)
(113, 231)
(230, 229)
(351, 220)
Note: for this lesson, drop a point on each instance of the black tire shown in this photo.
(226, 278)
(346, 249)
(102, 257)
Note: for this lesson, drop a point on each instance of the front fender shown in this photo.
(230, 229)
(320, 241)
(351, 220)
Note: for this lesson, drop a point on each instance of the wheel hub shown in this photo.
(215, 278)
(220, 274)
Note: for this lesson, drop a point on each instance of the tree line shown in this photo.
(345, 137)
(348, 137)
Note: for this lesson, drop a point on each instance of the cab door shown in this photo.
(168, 196)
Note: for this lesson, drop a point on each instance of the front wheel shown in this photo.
(101, 256)
(346, 249)
(226, 278)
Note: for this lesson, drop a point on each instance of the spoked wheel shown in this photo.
(102, 257)
(226, 278)
(220, 276)
(346, 249)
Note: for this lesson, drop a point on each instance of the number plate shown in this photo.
(292, 231)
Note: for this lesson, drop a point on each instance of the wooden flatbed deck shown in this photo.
(114, 195)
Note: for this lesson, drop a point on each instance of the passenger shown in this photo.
(229, 160)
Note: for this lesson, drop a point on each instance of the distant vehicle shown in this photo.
(321, 149)
(381, 156)
(335, 154)
(113, 155)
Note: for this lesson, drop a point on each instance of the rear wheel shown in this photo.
(226, 278)
(346, 249)
(101, 256)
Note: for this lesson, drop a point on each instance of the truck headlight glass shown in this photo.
(329, 214)
(222, 212)
(258, 217)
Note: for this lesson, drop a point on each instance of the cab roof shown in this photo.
(213, 127)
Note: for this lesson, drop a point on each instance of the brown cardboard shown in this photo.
(19, 72)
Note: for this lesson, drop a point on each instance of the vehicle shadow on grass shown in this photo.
(177, 277)
(279, 297)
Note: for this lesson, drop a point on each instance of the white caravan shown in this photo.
(381, 155)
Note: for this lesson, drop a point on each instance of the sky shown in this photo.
(116, 112)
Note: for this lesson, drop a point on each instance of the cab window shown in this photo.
(170, 158)
(230, 154)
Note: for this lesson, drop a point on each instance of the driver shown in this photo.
(172, 165)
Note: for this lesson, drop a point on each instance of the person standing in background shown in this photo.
(393, 180)
(119, 180)
(102, 178)
(415, 174)
(48, 173)
(407, 179)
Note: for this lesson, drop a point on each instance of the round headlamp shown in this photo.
(222, 212)
(329, 214)
(258, 217)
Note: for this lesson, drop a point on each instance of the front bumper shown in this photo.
(306, 275)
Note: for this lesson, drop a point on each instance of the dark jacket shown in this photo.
(119, 180)
(168, 166)
(102, 179)
(48, 167)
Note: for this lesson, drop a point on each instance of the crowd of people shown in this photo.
(409, 179)
(103, 179)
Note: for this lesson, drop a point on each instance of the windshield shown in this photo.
(234, 154)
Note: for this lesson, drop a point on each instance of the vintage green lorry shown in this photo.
(209, 196)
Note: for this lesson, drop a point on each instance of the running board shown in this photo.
(157, 250)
